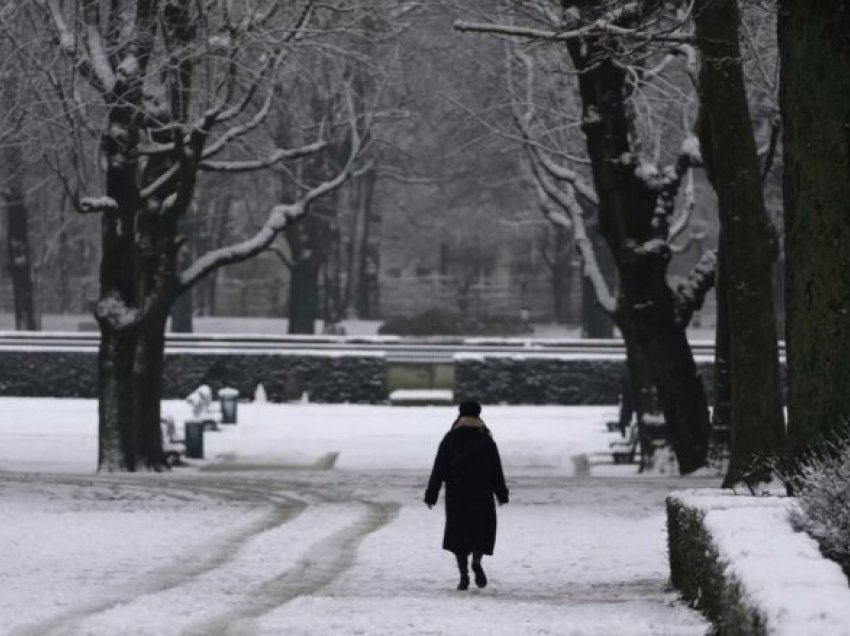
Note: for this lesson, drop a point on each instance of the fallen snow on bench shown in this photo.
(781, 571)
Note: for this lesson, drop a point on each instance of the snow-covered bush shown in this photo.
(822, 487)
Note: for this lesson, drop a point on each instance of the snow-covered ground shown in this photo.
(278, 326)
(255, 540)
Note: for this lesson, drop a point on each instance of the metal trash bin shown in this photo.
(228, 398)
(194, 436)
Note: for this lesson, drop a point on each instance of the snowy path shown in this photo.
(328, 552)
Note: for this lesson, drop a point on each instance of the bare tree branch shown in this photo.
(277, 156)
(279, 216)
(599, 27)
(574, 220)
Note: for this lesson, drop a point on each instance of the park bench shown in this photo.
(653, 436)
(623, 450)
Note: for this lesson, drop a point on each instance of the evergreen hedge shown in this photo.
(699, 574)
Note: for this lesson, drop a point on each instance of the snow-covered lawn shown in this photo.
(218, 548)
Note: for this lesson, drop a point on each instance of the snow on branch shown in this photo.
(596, 28)
(116, 313)
(279, 155)
(101, 65)
(241, 130)
(70, 45)
(678, 226)
(523, 123)
(566, 200)
(690, 293)
(90, 205)
(666, 185)
(279, 216)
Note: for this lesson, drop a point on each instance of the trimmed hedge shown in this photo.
(346, 378)
(62, 374)
(284, 376)
(326, 378)
(547, 380)
(697, 571)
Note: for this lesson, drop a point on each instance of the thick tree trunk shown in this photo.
(721, 417)
(361, 241)
(595, 323)
(137, 284)
(814, 40)
(64, 285)
(20, 261)
(562, 276)
(147, 386)
(130, 386)
(641, 386)
(749, 242)
(181, 313)
(304, 296)
(648, 302)
(626, 212)
(116, 449)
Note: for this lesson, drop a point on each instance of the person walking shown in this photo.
(468, 462)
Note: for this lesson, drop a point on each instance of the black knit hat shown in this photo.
(469, 408)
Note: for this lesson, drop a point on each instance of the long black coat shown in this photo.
(468, 461)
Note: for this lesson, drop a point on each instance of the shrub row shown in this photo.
(699, 574)
(525, 379)
(284, 377)
(490, 379)
(326, 378)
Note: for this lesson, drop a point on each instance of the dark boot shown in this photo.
(480, 577)
(463, 568)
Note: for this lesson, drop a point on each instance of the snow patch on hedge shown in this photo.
(780, 572)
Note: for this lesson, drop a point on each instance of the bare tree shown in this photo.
(172, 89)
(635, 199)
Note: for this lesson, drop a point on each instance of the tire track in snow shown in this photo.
(201, 559)
(325, 561)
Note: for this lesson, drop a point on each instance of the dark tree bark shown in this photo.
(306, 261)
(814, 44)
(721, 417)
(182, 309)
(361, 241)
(18, 246)
(181, 313)
(636, 238)
(595, 322)
(562, 276)
(749, 243)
